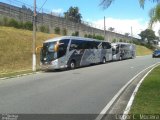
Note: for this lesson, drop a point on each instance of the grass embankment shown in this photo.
(141, 51)
(16, 49)
(147, 100)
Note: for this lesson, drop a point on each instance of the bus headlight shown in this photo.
(55, 62)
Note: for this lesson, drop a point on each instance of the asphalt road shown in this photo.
(85, 90)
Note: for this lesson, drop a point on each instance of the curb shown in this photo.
(128, 107)
(20, 75)
(108, 106)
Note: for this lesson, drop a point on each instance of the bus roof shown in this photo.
(71, 37)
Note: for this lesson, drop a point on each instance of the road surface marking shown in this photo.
(128, 107)
(106, 108)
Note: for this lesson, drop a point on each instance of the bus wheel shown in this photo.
(104, 60)
(72, 64)
(120, 58)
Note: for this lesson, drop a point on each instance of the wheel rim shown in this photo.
(72, 65)
(120, 58)
(104, 60)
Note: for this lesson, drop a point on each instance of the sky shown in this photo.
(121, 15)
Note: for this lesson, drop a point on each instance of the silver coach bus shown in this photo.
(72, 52)
(122, 51)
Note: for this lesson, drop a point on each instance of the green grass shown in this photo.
(13, 74)
(16, 49)
(141, 51)
(147, 100)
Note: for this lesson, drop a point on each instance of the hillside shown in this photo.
(141, 50)
(16, 48)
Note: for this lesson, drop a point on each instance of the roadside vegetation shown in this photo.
(147, 100)
(142, 50)
(16, 49)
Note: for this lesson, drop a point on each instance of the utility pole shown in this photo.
(34, 39)
(104, 28)
(131, 32)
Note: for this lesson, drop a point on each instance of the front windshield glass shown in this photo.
(47, 52)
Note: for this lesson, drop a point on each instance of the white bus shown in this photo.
(72, 52)
(122, 51)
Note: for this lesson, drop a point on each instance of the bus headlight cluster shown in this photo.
(55, 62)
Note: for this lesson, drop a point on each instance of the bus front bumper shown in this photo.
(52, 67)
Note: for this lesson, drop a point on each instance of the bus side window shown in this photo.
(117, 49)
(106, 45)
(76, 44)
(63, 47)
(97, 44)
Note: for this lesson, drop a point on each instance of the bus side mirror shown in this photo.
(38, 48)
(56, 47)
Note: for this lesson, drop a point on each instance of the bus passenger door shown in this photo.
(63, 48)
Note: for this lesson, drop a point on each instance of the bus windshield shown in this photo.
(47, 52)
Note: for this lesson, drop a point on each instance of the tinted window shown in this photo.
(106, 45)
(76, 44)
(63, 47)
(83, 44)
(47, 52)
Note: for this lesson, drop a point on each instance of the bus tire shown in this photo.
(72, 64)
(132, 57)
(120, 58)
(104, 60)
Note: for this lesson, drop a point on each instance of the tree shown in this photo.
(24, 7)
(73, 14)
(106, 3)
(148, 35)
(154, 14)
(111, 29)
(126, 34)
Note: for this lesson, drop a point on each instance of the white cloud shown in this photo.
(58, 11)
(156, 28)
(123, 25)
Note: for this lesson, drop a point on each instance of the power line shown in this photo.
(42, 5)
(22, 3)
(27, 4)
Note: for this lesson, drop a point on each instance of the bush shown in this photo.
(89, 36)
(114, 40)
(75, 34)
(5, 21)
(44, 29)
(13, 23)
(120, 40)
(149, 46)
(21, 25)
(136, 42)
(64, 31)
(98, 37)
(85, 35)
(57, 30)
(28, 25)
(17, 24)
